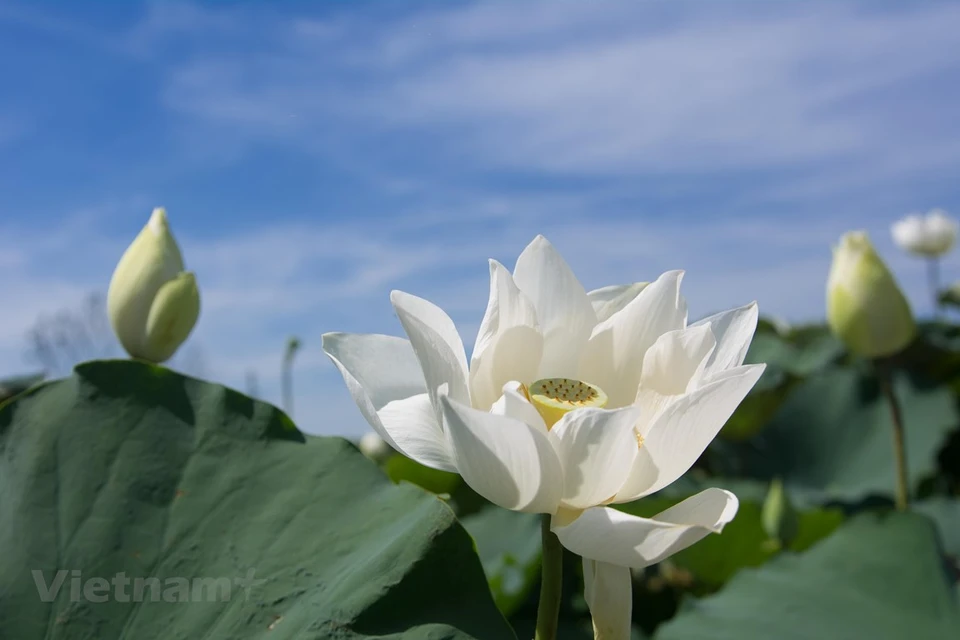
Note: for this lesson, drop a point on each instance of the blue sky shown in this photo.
(314, 156)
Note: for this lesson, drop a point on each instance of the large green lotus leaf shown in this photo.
(127, 468)
(880, 576)
(580, 629)
(767, 324)
(832, 436)
(787, 359)
(935, 353)
(402, 469)
(941, 335)
(10, 387)
(945, 512)
(760, 405)
(508, 543)
(807, 351)
(743, 542)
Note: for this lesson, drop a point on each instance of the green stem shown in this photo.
(286, 374)
(933, 279)
(899, 444)
(550, 585)
(286, 383)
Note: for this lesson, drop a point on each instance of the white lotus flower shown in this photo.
(571, 401)
(931, 235)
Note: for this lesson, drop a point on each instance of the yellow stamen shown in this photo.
(555, 397)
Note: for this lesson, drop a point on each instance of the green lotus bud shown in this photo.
(780, 520)
(153, 303)
(865, 307)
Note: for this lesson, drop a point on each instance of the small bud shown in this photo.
(374, 447)
(153, 303)
(293, 345)
(780, 520)
(865, 307)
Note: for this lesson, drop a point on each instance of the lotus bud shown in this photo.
(865, 307)
(780, 520)
(374, 447)
(153, 304)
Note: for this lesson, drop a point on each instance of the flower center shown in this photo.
(555, 397)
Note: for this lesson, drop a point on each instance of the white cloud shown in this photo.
(624, 91)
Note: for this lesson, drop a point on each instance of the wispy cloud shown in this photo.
(631, 89)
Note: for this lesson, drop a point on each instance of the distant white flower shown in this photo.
(571, 401)
(153, 304)
(374, 447)
(931, 235)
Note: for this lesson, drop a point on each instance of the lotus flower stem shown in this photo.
(286, 379)
(899, 443)
(933, 280)
(548, 611)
